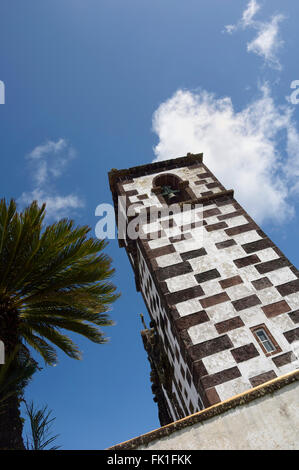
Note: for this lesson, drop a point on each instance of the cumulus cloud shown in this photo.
(243, 148)
(247, 18)
(47, 162)
(267, 42)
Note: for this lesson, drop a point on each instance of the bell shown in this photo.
(171, 195)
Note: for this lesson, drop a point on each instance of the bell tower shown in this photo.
(222, 298)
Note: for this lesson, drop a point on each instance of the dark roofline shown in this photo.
(136, 171)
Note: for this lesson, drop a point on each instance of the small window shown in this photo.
(265, 340)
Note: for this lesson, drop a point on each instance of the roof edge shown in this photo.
(207, 413)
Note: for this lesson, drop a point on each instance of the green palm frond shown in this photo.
(40, 426)
(56, 277)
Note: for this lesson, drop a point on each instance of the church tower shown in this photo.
(222, 298)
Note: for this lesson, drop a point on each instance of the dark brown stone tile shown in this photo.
(246, 261)
(209, 213)
(141, 197)
(187, 321)
(223, 201)
(199, 370)
(272, 265)
(212, 346)
(161, 251)
(156, 235)
(262, 283)
(204, 175)
(174, 270)
(257, 245)
(225, 244)
(277, 308)
(169, 223)
(215, 184)
(246, 302)
(240, 229)
(214, 300)
(131, 192)
(207, 276)
(294, 316)
(207, 193)
(292, 335)
(185, 294)
(244, 353)
(212, 396)
(192, 225)
(262, 378)
(288, 288)
(193, 254)
(178, 238)
(284, 359)
(218, 226)
(230, 215)
(220, 377)
(230, 281)
(200, 182)
(228, 325)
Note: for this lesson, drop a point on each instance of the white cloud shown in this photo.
(252, 8)
(47, 163)
(242, 148)
(267, 42)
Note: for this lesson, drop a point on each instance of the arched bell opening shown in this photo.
(171, 189)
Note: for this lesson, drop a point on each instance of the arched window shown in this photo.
(171, 189)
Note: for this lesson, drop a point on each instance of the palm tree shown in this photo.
(52, 279)
(40, 428)
(14, 376)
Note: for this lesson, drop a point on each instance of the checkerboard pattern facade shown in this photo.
(210, 280)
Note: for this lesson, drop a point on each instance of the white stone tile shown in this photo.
(267, 254)
(255, 366)
(172, 232)
(219, 361)
(227, 269)
(293, 300)
(236, 221)
(252, 316)
(203, 263)
(239, 291)
(281, 276)
(158, 243)
(232, 387)
(188, 306)
(202, 332)
(247, 237)
(188, 245)
(153, 227)
(168, 260)
(280, 323)
(227, 209)
(249, 273)
(221, 312)
(211, 287)
(268, 295)
(181, 282)
(288, 367)
(241, 336)
(130, 186)
(233, 252)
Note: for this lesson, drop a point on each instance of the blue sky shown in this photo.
(93, 85)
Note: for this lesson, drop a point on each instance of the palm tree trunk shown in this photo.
(11, 424)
